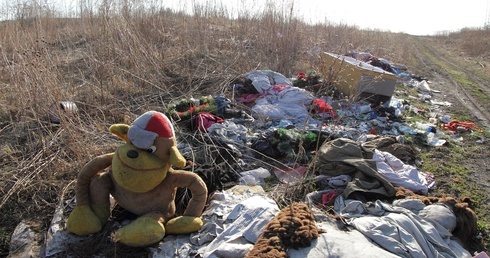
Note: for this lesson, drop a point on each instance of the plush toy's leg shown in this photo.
(82, 221)
(89, 219)
(143, 231)
(183, 225)
(100, 187)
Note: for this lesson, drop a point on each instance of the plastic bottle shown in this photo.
(423, 127)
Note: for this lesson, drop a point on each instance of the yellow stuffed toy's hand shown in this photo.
(143, 231)
(83, 221)
(183, 225)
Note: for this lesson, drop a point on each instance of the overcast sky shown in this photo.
(417, 17)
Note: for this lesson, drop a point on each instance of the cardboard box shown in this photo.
(356, 78)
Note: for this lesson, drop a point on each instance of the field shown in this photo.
(115, 67)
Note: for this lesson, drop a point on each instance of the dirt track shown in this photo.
(432, 58)
(451, 90)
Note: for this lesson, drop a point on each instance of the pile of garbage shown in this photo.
(351, 148)
(269, 118)
(287, 129)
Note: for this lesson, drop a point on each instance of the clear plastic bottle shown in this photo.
(423, 127)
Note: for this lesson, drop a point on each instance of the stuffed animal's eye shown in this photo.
(152, 149)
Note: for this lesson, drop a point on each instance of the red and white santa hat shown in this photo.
(147, 127)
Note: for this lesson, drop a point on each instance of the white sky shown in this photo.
(417, 17)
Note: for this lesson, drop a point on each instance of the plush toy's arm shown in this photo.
(199, 196)
(85, 176)
(198, 188)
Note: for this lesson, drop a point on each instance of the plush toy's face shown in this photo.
(142, 163)
(139, 170)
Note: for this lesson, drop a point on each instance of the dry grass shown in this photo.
(115, 67)
(471, 46)
(474, 42)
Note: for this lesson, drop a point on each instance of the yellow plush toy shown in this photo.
(141, 179)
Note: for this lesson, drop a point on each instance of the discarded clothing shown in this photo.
(272, 96)
(204, 120)
(309, 78)
(286, 144)
(441, 214)
(404, 152)
(322, 107)
(263, 80)
(332, 182)
(406, 234)
(345, 156)
(184, 109)
(322, 199)
(456, 125)
(400, 174)
(340, 242)
(263, 144)
(286, 102)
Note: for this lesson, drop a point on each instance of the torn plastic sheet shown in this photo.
(242, 227)
(23, 242)
(432, 140)
(57, 237)
(423, 86)
(440, 103)
(254, 177)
